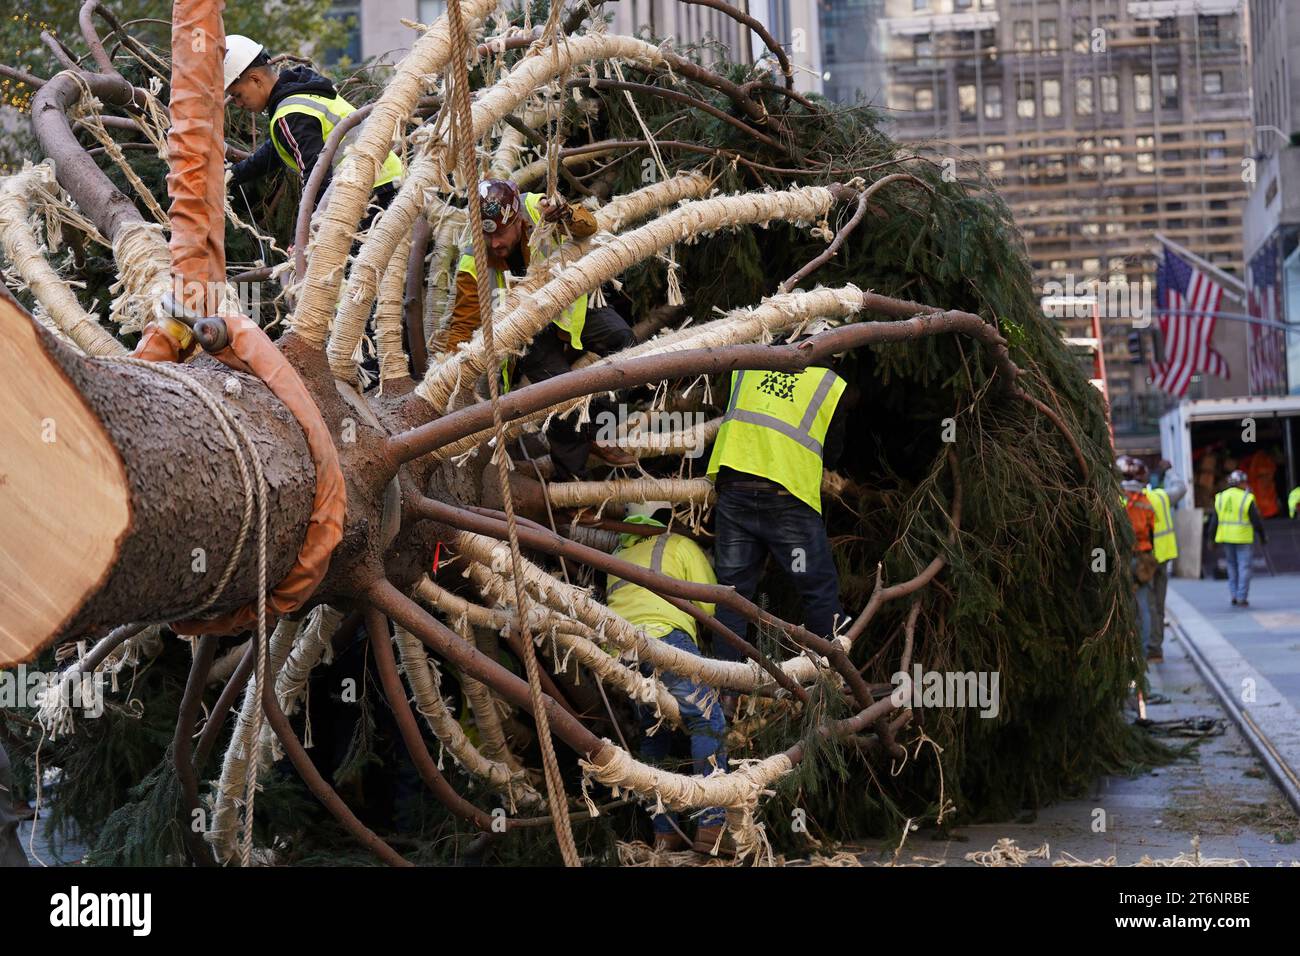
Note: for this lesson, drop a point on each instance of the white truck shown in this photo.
(1202, 438)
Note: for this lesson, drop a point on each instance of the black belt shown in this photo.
(751, 483)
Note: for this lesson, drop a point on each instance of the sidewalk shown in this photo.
(1266, 634)
(1220, 794)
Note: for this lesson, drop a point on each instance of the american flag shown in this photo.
(1267, 349)
(1185, 294)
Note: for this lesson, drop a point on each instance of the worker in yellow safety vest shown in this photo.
(1164, 490)
(1293, 502)
(510, 223)
(304, 108)
(1234, 523)
(679, 557)
(779, 432)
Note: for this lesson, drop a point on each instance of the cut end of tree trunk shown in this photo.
(64, 501)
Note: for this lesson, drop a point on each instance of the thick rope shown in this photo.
(463, 131)
(241, 444)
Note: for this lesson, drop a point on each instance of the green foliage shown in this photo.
(1018, 596)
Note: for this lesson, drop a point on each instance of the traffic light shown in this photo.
(1135, 351)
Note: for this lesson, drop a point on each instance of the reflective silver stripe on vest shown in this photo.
(818, 399)
(735, 392)
(656, 563)
(1241, 512)
(312, 105)
(802, 433)
(1162, 501)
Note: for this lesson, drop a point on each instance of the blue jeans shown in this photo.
(1238, 557)
(1145, 616)
(751, 524)
(708, 734)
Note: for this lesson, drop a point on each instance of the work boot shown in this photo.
(1243, 603)
(706, 838)
(672, 842)
(1234, 602)
(1155, 657)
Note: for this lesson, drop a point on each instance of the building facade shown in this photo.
(1272, 219)
(375, 30)
(1101, 122)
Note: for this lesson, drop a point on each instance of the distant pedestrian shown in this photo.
(1234, 523)
(1142, 517)
(1164, 491)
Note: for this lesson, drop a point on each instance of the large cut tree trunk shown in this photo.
(120, 497)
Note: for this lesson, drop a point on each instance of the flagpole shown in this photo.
(1238, 288)
(1235, 317)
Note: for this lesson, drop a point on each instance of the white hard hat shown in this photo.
(240, 54)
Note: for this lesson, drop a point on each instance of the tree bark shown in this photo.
(146, 534)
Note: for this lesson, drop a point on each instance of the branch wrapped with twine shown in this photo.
(530, 73)
(355, 177)
(424, 679)
(516, 328)
(22, 248)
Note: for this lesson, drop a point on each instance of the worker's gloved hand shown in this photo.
(556, 210)
(230, 174)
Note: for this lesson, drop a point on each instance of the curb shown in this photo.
(1269, 723)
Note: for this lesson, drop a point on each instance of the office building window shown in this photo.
(1051, 98)
(997, 167)
(1146, 157)
(966, 101)
(1090, 267)
(923, 49)
(1142, 92)
(1110, 93)
(1087, 158)
(923, 99)
(1212, 82)
(1216, 136)
(1167, 29)
(1023, 35)
(992, 101)
(1169, 91)
(1082, 29)
(1208, 30)
(1083, 91)
(430, 10)
(988, 40)
(1112, 162)
(1026, 103)
(1047, 37)
(961, 4)
(349, 13)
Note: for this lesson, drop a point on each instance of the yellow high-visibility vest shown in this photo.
(774, 428)
(1164, 543)
(1232, 505)
(1293, 501)
(330, 112)
(672, 554)
(571, 320)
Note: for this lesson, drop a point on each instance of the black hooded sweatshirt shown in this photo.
(299, 133)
